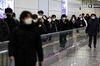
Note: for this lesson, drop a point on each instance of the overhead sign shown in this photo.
(96, 5)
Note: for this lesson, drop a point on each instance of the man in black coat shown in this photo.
(93, 29)
(12, 23)
(55, 24)
(64, 25)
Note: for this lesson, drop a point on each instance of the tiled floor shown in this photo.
(84, 56)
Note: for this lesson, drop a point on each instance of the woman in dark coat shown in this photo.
(73, 21)
(25, 44)
(41, 26)
(81, 22)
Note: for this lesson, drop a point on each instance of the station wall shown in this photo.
(48, 6)
(53, 7)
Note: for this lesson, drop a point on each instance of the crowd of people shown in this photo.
(52, 24)
(24, 34)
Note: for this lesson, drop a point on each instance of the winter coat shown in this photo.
(25, 45)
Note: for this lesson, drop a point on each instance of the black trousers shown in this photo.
(92, 38)
(63, 39)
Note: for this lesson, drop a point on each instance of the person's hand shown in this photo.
(12, 58)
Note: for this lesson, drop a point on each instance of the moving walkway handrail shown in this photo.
(62, 31)
(6, 42)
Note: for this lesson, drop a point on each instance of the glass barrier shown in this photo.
(55, 45)
(4, 58)
(55, 42)
(58, 45)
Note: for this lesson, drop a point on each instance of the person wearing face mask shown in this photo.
(81, 22)
(64, 25)
(41, 26)
(73, 21)
(49, 25)
(25, 45)
(12, 23)
(35, 18)
(46, 23)
(87, 17)
(55, 24)
(40, 14)
(92, 30)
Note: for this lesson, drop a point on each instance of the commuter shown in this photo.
(64, 25)
(92, 30)
(73, 21)
(46, 23)
(41, 26)
(40, 14)
(35, 18)
(45, 17)
(9, 20)
(55, 24)
(87, 17)
(81, 22)
(49, 25)
(49, 28)
(4, 31)
(83, 15)
(25, 45)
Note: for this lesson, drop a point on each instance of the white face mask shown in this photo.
(35, 20)
(49, 20)
(44, 18)
(63, 18)
(81, 18)
(28, 21)
(53, 19)
(39, 16)
(73, 19)
(93, 17)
